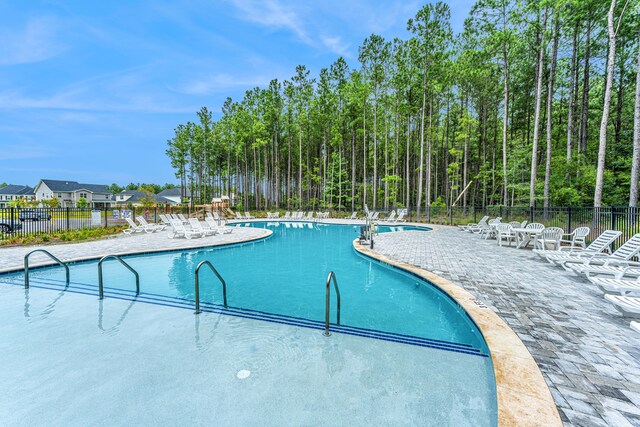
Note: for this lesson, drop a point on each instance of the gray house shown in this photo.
(12, 192)
(134, 198)
(69, 192)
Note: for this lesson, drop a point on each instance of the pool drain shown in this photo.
(242, 374)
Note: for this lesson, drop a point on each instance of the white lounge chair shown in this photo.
(621, 257)
(287, 215)
(354, 215)
(483, 221)
(183, 219)
(391, 216)
(635, 326)
(155, 227)
(133, 227)
(309, 216)
(247, 215)
(178, 229)
(239, 215)
(617, 286)
(601, 243)
(490, 230)
(196, 226)
(400, 217)
(165, 220)
(612, 271)
(628, 306)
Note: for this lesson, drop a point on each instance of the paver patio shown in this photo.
(587, 352)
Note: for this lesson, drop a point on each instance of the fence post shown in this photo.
(530, 214)
(451, 216)
(155, 214)
(613, 222)
(68, 225)
(106, 216)
(501, 211)
(475, 221)
(569, 219)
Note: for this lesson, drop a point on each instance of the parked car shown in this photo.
(33, 215)
(9, 226)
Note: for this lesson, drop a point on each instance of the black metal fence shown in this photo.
(23, 222)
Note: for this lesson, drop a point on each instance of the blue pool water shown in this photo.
(285, 275)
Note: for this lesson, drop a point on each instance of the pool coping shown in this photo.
(15, 269)
(523, 395)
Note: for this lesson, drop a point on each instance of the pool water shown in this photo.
(283, 277)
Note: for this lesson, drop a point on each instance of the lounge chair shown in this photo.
(287, 215)
(471, 225)
(178, 229)
(183, 219)
(617, 286)
(309, 216)
(154, 226)
(354, 215)
(375, 216)
(628, 306)
(247, 215)
(133, 227)
(213, 225)
(400, 217)
(505, 231)
(490, 230)
(391, 216)
(620, 258)
(601, 243)
(612, 271)
(196, 226)
(165, 220)
(635, 326)
(239, 216)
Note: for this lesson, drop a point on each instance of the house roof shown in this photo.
(20, 190)
(66, 186)
(173, 192)
(137, 195)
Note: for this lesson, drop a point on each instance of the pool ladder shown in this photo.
(26, 265)
(123, 262)
(330, 277)
(197, 284)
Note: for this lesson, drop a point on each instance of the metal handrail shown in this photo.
(332, 275)
(26, 265)
(197, 284)
(116, 257)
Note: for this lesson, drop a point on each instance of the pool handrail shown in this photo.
(331, 276)
(116, 257)
(197, 284)
(26, 265)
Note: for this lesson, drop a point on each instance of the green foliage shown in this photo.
(50, 203)
(82, 203)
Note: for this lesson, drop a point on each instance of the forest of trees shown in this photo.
(535, 103)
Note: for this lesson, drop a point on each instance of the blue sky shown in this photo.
(91, 90)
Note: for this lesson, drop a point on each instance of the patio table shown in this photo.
(525, 235)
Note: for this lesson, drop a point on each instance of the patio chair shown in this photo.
(514, 224)
(309, 216)
(400, 217)
(505, 231)
(219, 229)
(600, 244)
(490, 230)
(165, 220)
(523, 224)
(375, 216)
(391, 216)
(550, 236)
(247, 215)
(578, 237)
(287, 215)
(183, 219)
(621, 257)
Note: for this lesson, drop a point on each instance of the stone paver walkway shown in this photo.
(587, 352)
(139, 242)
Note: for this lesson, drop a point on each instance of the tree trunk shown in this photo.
(536, 120)
(505, 124)
(597, 198)
(552, 76)
(584, 112)
(424, 107)
(572, 93)
(635, 164)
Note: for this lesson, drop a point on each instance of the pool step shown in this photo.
(183, 303)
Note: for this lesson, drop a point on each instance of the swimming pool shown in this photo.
(282, 279)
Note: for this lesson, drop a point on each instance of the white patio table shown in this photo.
(525, 235)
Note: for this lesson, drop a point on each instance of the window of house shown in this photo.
(83, 195)
(59, 194)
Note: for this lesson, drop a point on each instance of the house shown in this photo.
(175, 195)
(134, 198)
(70, 192)
(12, 193)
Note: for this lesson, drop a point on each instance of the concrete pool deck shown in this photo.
(588, 354)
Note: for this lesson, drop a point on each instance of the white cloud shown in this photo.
(335, 44)
(271, 13)
(34, 43)
(220, 82)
